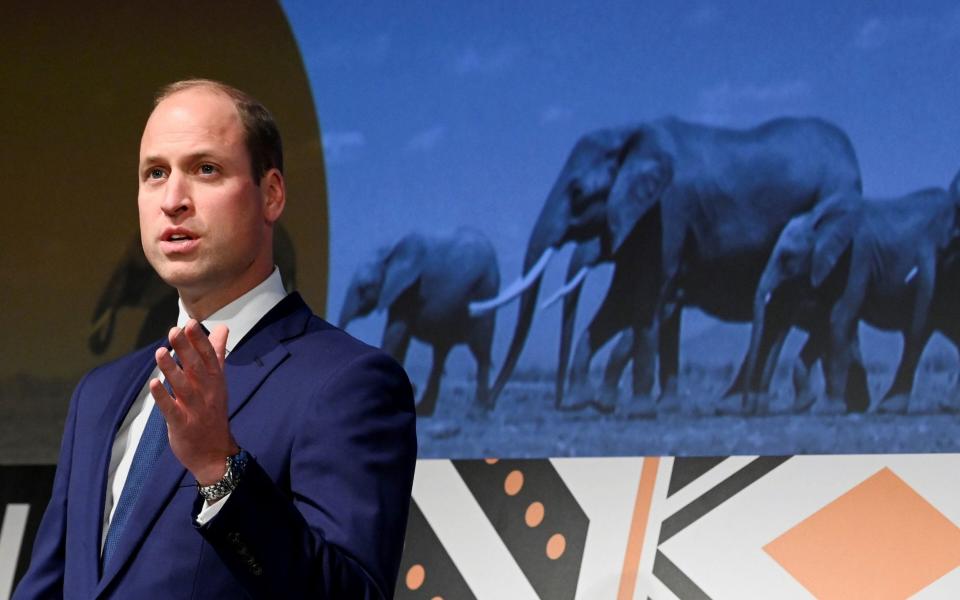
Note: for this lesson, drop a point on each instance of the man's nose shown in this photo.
(176, 196)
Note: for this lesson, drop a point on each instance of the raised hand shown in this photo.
(196, 414)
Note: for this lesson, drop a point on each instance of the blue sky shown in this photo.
(440, 114)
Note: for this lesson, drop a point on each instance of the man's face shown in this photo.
(205, 224)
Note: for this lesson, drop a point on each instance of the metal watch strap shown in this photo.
(235, 466)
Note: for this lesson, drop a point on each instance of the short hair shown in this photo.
(260, 131)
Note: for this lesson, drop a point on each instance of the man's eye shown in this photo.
(155, 174)
(208, 169)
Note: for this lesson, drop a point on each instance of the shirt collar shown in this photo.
(243, 313)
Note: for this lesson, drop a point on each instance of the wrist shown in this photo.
(215, 468)
(233, 469)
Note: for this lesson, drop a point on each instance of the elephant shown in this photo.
(577, 198)
(786, 297)
(134, 284)
(586, 256)
(693, 212)
(426, 284)
(580, 192)
(901, 273)
(720, 198)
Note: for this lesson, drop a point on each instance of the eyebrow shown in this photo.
(193, 157)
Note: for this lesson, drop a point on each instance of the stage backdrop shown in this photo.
(675, 229)
(660, 149)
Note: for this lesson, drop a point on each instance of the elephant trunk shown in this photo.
(102, 333)
(540, 248)
(760, 302)
(348, 311)
(570, 302)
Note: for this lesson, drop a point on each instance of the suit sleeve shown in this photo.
(44, 576)
(339, 532)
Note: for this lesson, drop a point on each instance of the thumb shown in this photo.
(218, 339)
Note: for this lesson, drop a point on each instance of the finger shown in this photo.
(172, 372)
(187, 356)
(218, 340)
(165, 402)
(201, 345)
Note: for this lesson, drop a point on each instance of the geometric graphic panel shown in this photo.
(880, 540)
(426, 570)
(719, 494)
(853, 526)
(686, 469)
(535, 515)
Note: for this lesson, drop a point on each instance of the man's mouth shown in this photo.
(177, 234)
(177, 241)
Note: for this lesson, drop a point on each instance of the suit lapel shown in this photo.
(248, 365)
(259, 353)
(94, 486)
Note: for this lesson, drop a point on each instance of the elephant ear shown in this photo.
(639, 185)
(954, 188)
(404, 265)
(833, 237)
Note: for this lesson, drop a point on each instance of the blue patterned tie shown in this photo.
(152, 443)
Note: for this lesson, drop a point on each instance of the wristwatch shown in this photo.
(236, 465)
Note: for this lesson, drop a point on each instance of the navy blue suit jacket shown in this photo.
(320, 513)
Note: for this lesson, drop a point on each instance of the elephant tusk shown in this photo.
(911, 274)
(101, 321)
(516, 288)
(566, 289)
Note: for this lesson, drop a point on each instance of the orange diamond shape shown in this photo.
(879, 540)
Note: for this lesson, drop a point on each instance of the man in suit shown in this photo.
(273, 459)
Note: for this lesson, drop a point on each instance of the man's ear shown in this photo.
(274, 192)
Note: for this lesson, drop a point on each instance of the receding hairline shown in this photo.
(230, 92)
(260, 132)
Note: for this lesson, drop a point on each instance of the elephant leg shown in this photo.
(620, 356)
(479, 344)
(857, 392)
(810, 353)
(644, 360)
(669, 352)
(748, 393)
(950, 402)
(396, 340)
(644, 364)
(843, 331)
(605, 324)
(428, 402)
(812, 350)
(570, 303)
(897, 398)
(844, 319)
(839, 359)
(769, 354)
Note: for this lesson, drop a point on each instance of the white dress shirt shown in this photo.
(239, 316)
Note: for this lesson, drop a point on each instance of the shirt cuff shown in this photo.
(209, 511)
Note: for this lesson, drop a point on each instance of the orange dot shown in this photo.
(534, 514)
(513, 483)
(491, 461)
(556, 546)
(437, 598)
(415, 576)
